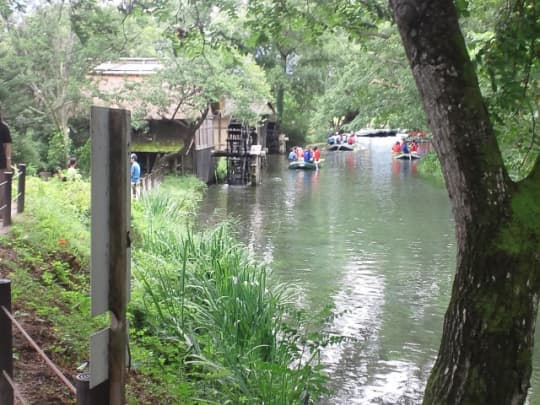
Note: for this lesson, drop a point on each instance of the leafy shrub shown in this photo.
(431, 167)
(236, 334)
(52, 241)
(83, 161)
(26, 150)
(205, 321)
(58, 216)
(58, 150)
(221, 170)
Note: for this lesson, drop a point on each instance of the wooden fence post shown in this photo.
(7, 197)
(6, 344)
(21, 188)
(82, 383)
(98, 395)
(119, 206)
(110, 272)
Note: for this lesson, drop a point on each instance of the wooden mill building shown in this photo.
(195, 151)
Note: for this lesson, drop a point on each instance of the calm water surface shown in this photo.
(366, 234)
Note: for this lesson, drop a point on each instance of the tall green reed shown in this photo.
(238, 335)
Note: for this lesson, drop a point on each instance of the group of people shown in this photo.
(71, 173)
(404, 147)
(312, 155)
(339, 138)
(5, 157)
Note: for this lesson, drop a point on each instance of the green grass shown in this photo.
(232, 326)
(236, 331)
(430, 168)
(207, 325)
(50, 275)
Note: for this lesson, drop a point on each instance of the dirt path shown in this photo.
(35, 381)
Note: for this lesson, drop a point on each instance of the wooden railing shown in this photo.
(148, 182)
(6, 187)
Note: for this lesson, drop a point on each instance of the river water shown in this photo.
(370, 237)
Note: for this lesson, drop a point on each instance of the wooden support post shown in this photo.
(119, 203)
(82, 383)
(111, 186)
(21, 188)
(7, 198)
(86, 396)
(6, 344)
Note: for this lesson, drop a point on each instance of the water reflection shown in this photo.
(404, 168)
(358, 308)
(367, 234)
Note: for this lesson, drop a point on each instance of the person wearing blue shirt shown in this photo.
(404, 147)
(292, 154)
(135, 169)
(135, 175)
(307, 154)
(331, 139)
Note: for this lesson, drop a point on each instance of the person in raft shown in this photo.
(396, 148)
(316, 156)
(292, 154)
(404, 147)
(331, 139)
(308, 157)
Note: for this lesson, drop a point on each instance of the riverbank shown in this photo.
(206, 321)
(430, 168)
(372, 240)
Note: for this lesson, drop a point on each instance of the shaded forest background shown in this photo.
(323, 65)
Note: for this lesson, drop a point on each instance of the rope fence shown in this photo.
(40, 351)
(8, 389)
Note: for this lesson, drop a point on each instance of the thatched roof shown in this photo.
(128, 67)
(112, 77)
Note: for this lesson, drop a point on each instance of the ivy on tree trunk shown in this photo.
(486, 349)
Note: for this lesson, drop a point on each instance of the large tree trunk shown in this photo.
(486, 348)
